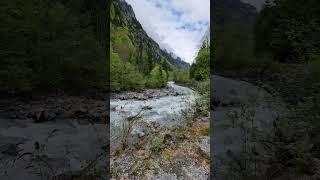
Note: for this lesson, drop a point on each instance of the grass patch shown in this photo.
(157, 144)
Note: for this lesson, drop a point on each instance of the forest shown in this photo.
(281, 55)
(33, 58)
(135, 66)
(53, 46)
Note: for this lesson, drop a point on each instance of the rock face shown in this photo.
(125, 17)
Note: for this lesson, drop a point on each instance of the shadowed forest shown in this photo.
(54, 82)
(277, 50)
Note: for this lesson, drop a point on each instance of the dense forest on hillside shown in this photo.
(137, 61)
(60, 46)
(280, 54)
(51, 46)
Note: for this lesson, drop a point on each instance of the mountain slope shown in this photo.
(143, 51)
(256, 3)
(205, 40)
(233, 34)
(235, 12)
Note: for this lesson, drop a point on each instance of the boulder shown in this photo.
(43, 115)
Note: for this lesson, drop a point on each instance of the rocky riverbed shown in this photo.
(160, 144)
(50, 137)
(146, 94)
(242, 114)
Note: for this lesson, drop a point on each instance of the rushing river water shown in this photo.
(166, 110)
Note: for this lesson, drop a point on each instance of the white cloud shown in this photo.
(176, 25)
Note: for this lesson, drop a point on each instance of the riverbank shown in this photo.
(168, 153)
(251, 126)
(145, 94)
(243, 116)
(158, 127)
(293, 93)
(50, 137)
(151, 93)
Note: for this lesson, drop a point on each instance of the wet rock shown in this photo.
(141, 134)
(59, 111)
(113, 107)
(146, 108)
(204, 147)
(43, 115)
(80, 112)
(138, 133)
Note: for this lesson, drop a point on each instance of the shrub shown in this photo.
(180, 76)
(157, 144)
(200, 69)
(157, 78)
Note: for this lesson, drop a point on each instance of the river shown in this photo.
(165, 110)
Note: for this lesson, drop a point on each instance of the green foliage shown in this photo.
(47, 46)
(284, 55)
(200, 70)
(112, 12)
(157, 144)
(203, 87)
(124, 75)
(205, 131)
(234, 48)
(165, 66)
(180, 76)
(157, 77)
(122, 44)
(198, 109)
(289, 30)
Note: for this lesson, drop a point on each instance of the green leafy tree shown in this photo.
(124, 75)
(166, 67)
(180, 76)
(122, 44)
(157, 77)
(200, 69)
(289, 30)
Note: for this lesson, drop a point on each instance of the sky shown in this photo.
(176, 25)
